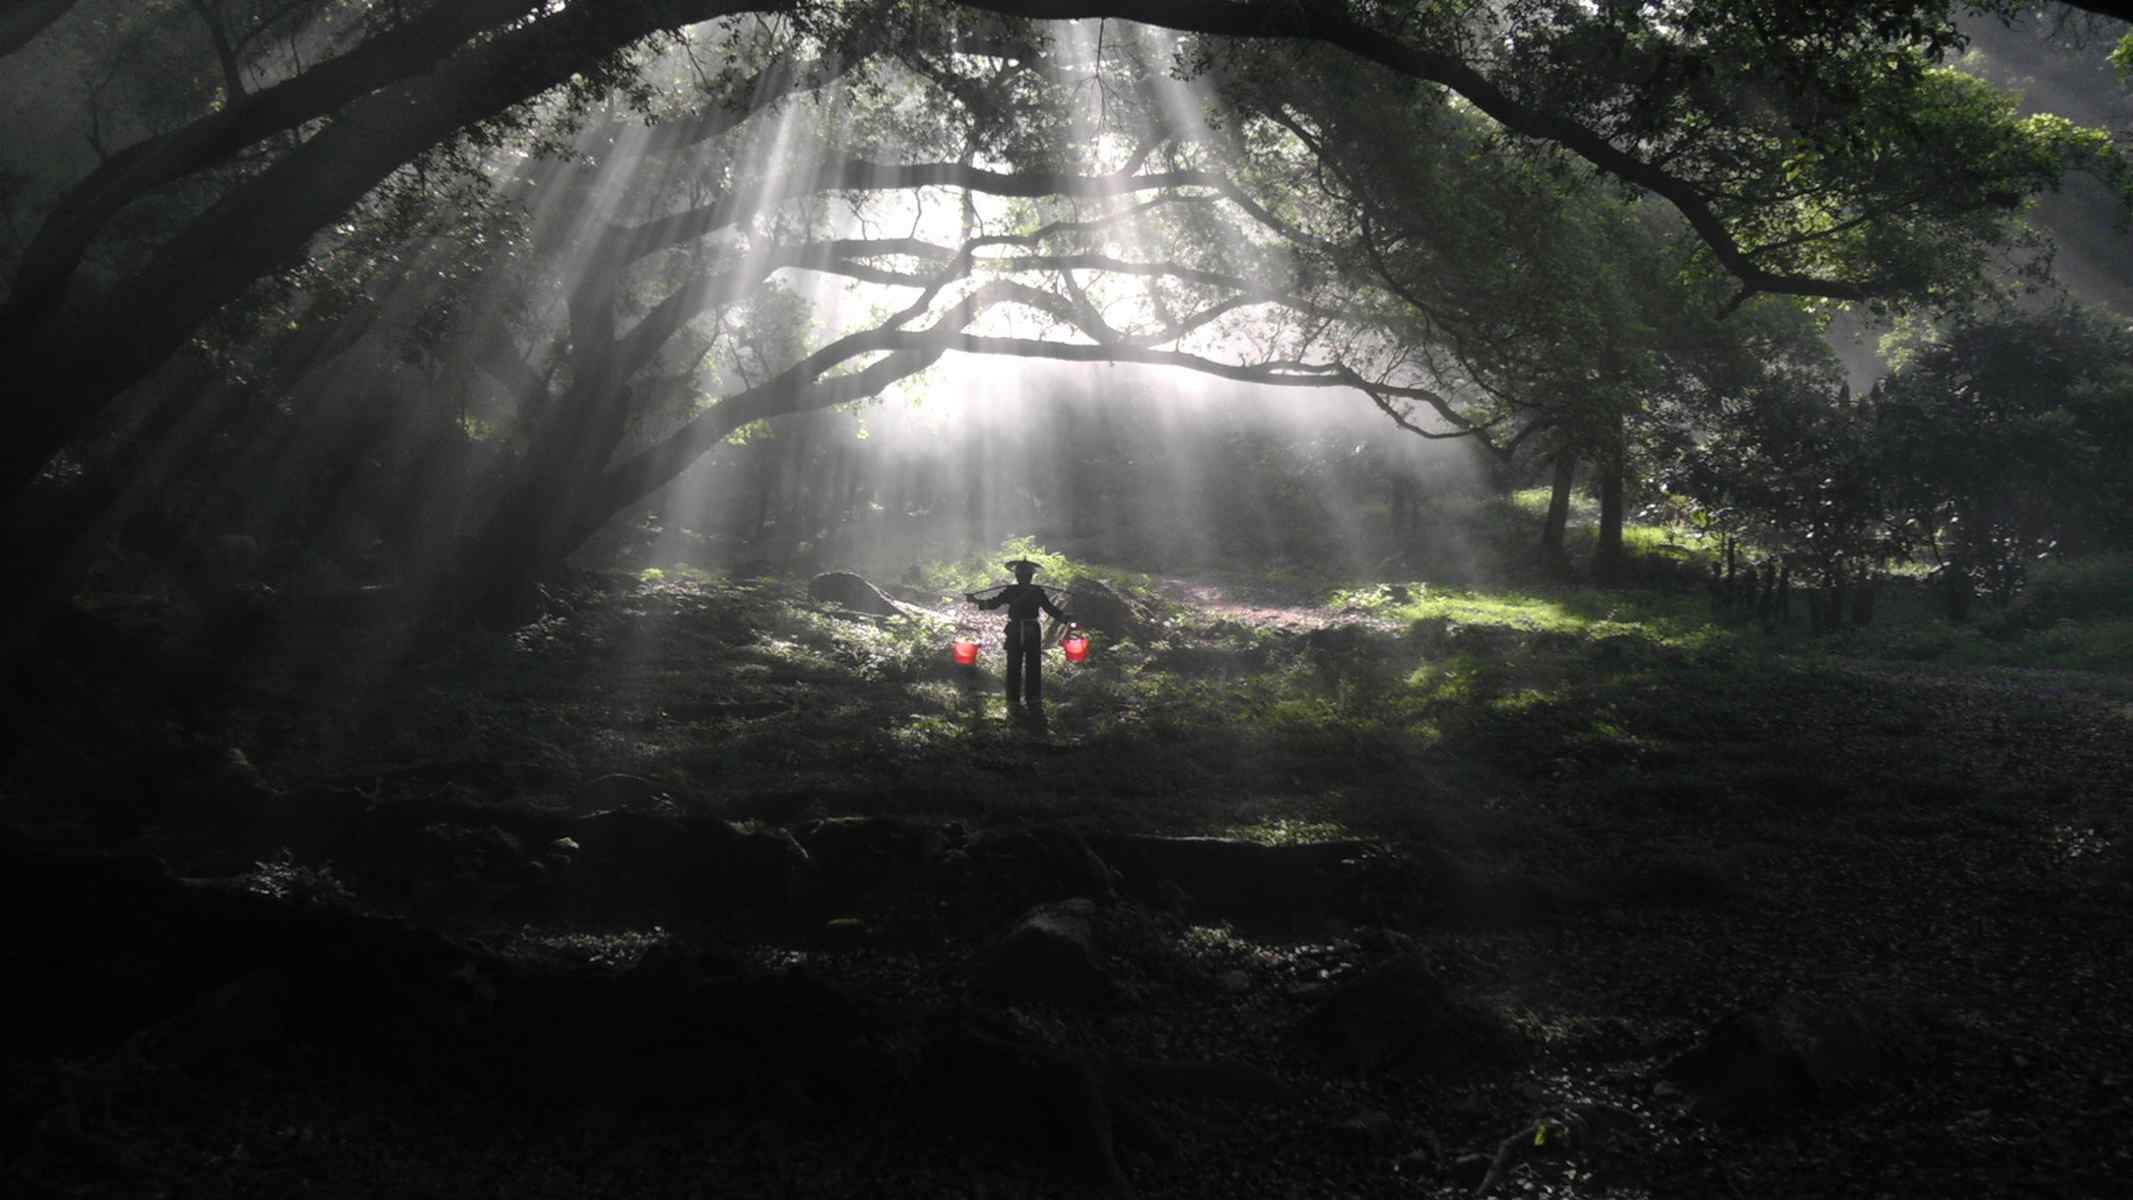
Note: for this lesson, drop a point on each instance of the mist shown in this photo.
(1158, 469)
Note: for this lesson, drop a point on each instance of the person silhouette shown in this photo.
(1025, 636)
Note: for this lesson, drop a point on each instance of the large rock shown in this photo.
(879, 877)
(1794, 1053)
(1024, 1103)
(1096, 605)
(1229, 877)
(855, 856)
(851, 591)
(1229, 1082)
(699, 872)
(1050, 956)
(1000, 874)
(460, 871)
(1399, 1014)
(181, 790)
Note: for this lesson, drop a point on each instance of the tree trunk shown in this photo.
(543, 515)
(1607, 549)
(1959, 593)
(553, 512)
(1863, 601)
(850, 503)
(764, 465)
(1553, 557)
(1833, 601)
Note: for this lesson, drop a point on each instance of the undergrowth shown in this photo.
(1397, 697)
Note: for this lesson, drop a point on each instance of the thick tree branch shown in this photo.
(862, 175)
(403, 53)
(809, 385)
(265, 221)
(567, 215)
(1330, 24)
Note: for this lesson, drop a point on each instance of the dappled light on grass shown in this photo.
(1285, 831)
(1523, 700)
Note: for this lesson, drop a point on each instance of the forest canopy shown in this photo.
(607, 238)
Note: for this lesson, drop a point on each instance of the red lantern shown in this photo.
(1076, 646)
(966, 653)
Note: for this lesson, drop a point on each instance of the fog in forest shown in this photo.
(1162, 469)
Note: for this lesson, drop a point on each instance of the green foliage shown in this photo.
(1286, 831)
(985, 568)
(2097, 587)
(2004, 433)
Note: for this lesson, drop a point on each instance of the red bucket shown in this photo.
(966, 653)
(1076, 647)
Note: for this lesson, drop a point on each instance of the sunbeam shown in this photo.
(905, 598)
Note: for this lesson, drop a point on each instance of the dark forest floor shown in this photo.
(1633, 904)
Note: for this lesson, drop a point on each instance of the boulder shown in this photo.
(244, 1014)
(854, 856)
(459, 871)
(1026, 1103)
(1050, 957)
(1096, 605)
(631, 865)
(878, 877)
(1366, 1129)
(1235, 878)
(847, 590)
(760, 876)
(1226, 1081)
(1000, 874)
(182, 790)
(1337, 641)
(1398, 1014)
(1794, 1053)
(312, 821)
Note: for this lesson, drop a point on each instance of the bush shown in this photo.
(2078, 589)
(1921, 643)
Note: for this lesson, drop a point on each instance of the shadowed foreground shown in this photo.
(698, 888)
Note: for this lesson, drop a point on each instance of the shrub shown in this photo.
(2079, 589)
(1923, 642)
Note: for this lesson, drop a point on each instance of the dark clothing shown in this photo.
(1025, 639)
(1025, 650)
(1022, 601)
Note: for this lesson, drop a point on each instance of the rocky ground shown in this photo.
(1862, 936)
